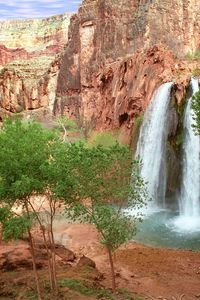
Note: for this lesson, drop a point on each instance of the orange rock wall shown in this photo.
(30, 52)
(119, 52)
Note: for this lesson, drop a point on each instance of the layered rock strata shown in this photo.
(118, 53)
(30, 60)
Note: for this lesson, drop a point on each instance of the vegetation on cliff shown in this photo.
(196, 108)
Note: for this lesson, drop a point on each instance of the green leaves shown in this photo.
(24, 149)
(4, 214)
(105, 181)
(196, 108)
(15, 227)
(95, 183)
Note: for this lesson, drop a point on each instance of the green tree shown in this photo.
(196, 108)
(25, 153)
(13, 226)
(96, 184)
(105, 182)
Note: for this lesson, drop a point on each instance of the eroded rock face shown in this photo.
(30, 60)
(119, 52)
(24, 87)
(174, 23)
(18, 256)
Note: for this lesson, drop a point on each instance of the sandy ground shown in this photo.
(151, 272)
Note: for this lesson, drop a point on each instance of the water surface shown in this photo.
(166, 229)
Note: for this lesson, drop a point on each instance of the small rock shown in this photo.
(86, 261)
(64, 253)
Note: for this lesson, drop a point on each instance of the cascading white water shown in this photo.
(189, 199)
(151, 145)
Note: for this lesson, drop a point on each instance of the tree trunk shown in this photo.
(112, 269)
(34, 266)
(53, 258)
(33, 256)
(49, 258)
(51, 238)
(49, 252)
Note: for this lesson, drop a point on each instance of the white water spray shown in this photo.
(189, 200)
(151, 147)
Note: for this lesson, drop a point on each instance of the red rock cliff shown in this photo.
(119, 51)
(29, 61)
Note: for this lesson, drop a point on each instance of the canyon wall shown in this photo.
(116, 53)
(30, 53)
(119, 52)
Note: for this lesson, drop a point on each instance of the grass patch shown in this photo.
(83, 288)
(125, 294)
(69, 288)
(77, 286)
(104, 294)
(104, 139)
(31, 295)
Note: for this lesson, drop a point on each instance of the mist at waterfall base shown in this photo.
(162, 227)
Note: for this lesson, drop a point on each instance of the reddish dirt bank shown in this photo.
(151, 272)
(161, 272)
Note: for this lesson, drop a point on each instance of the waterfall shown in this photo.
(190, 188)
(151, 147)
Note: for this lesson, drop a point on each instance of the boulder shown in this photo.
(85, 261)
(64, 253)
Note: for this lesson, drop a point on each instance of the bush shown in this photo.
(193, 56)
(104, 139)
